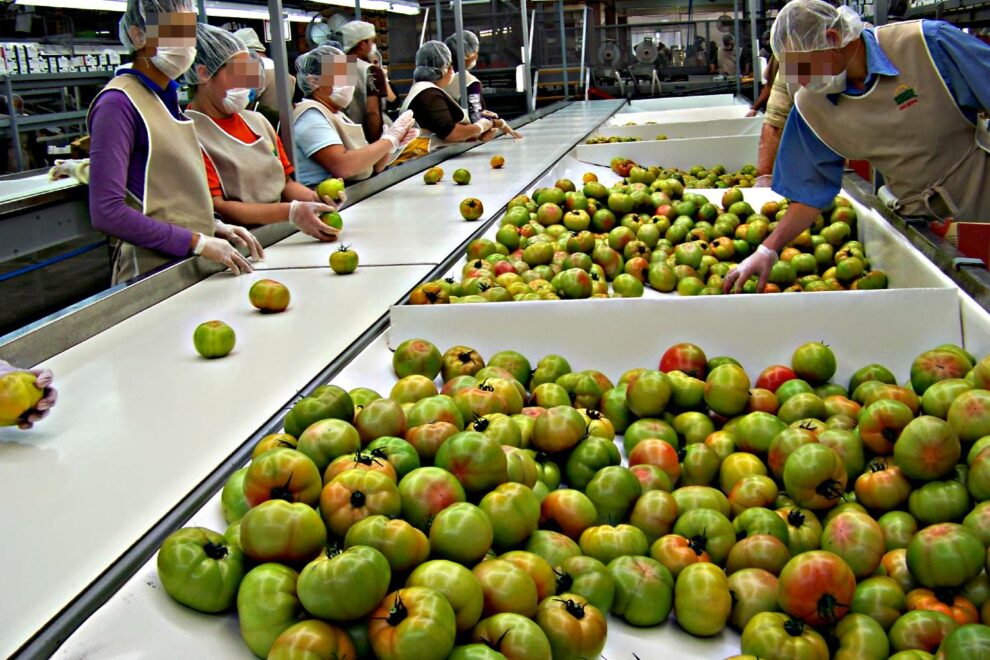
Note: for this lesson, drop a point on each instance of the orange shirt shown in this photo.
(236, 127)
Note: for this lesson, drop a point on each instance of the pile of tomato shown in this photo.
(647, 231)
(502, 509)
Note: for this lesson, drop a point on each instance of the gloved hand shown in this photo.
(222, 252)
(305, 216)
(503, 126)
(64, 169)
(335, 205)
(763, 181)
(399, 128)
(43, 381)
(751, 113)
(240, 237)
(484, 125)
(759, 263)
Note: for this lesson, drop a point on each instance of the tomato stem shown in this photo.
(358, 499)
(215, 550)
(398, 613)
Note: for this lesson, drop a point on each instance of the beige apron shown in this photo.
(351, 134)
(250, 173)
(454, 89)
(175, 188)
(416, 90)
(727, 62)
(910, 128)
(358, 106)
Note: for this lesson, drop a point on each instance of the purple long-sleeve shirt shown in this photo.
(118, 155)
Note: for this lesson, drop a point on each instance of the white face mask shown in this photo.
(472, 64)
(341, 96)
(831, 85)
(236, 100)
(173, 61)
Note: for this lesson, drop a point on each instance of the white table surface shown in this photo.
(412, 223)
(142, 419)
(142, 621)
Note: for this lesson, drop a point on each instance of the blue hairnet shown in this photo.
(137, 13)
(471, 43)
(309, 66)
(214, 48)
(432, 61)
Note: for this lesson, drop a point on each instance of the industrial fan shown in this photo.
(320, 29)
(609, 55)
(646, 51)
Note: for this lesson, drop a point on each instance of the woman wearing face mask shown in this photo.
(328, 143)
(476, 103)
(437, 114)
(246, 166)
(147, 184)
(906, 97)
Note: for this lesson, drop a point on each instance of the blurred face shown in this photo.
(172, 30)
(240, 72)
(804, 67)
(363, 49)
(337, 71)
(471, 60)
(447, 77)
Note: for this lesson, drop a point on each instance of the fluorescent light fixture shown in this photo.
(215, 9)
(394, 6)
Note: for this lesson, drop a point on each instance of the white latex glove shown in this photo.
(759, 263)
(64, 169)
(488, 114)
(397, 131)
(335, 205)
(484, 125)
(751, 113)
(410, 135)
(239, 237)
(43, 381)
(222, 252)
(763, 181)
(305, 216)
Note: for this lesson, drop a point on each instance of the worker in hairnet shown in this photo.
(475, 100)
(367, 108)
(267, 93)
(726, 63)
(147, 183)
(328, 143)
(43, 381)
(906, 97)
(440, 117)
(246, 167)
(375, 58)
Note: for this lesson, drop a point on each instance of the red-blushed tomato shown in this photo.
(569, 511)
(860, 638)
(588, 578)
(927, 448)
(560, 428)
(857, 538)
(538, 569)
(816, 587)
(894, 565)
(552, 546)
(702, 602)
(675, 552)
(657, 453)
(404, 546)
(783, 445)
(507, 588)
(774, 376)
(815, 477)
(758, 551)
(879, 598)
(921, 630)
(753, 590)
(475, 459)
(457, 583)
(513, 635)
(359, 461)
(881, 423)
(462, 532)
(381, 417)
(282, 474)
(883, 486)
(685, 357)
(356, 494)
(606, 542)
(267, 605)
(737, 466)
(654, 514)
(279, 531)
(575, 628)
(957, 606)
(651, 477)
(761, 400)
(415, 623)
(945, 555)
(428, 438)
(427, 491)
(312, 639)
(776, 635)
(644, 590)
(360, 572)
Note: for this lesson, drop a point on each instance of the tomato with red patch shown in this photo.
(816, 587)
(687, 358)
(774, 376)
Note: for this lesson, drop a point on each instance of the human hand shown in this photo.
(239, 237)
(222, 252)
(43, 381)
(399, 128)
(484, 125)
(759, 263)
(751, 113)
(763, 181)
(305, 216)
(70, 168)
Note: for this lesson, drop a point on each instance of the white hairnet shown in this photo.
(309, 66)
(214, 48)
(250, 39)
(353, 33)
(801, 24)
(432, 61)
(471, 44)
(137, 14)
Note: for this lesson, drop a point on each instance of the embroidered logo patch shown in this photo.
(905, 97)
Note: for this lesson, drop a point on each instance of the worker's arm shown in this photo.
(345, 163)
(297, 191)
(806, 169)
(243, 213)
(963, 61)
(464, 133)
(373, 119)
(761, 100)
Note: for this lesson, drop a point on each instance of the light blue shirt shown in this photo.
(312, 132)
(808, 171)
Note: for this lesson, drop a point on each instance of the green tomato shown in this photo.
(776, 635)
(861, 638)
(345, 586)
(607, 542)
(233, 503)
(589, 578)
(200, 569)
(643, 590)
(282, 531)
(413, 623)
(460, 586)
(267, 605)
(312, 639)
(514, 513)
(702, 602)
(587, 458)
(404, 546)
(462, 532)
(513, 635)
